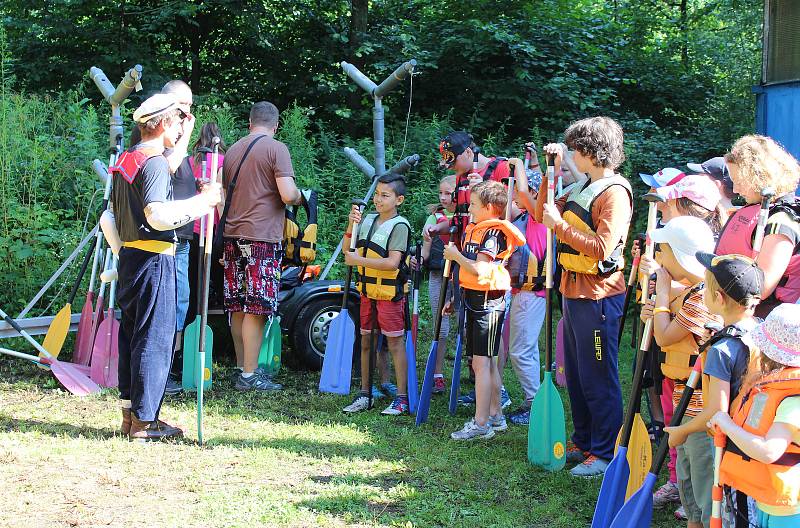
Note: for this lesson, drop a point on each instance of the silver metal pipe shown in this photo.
(360, 79)
(400, 74)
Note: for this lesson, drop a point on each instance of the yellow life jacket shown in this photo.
(678, 358)
(492, 276)
(578, 214)
(301, 243)
(373, 241)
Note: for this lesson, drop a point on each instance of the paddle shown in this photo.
(337, 364)
(638, 510)
(629, 291)
(763, 214)
(191, 333)
(618, 474)
(67, 374)
(269, 356)
(105, 353)
(430, 366)
(411, 347)
(547, 435)
(415, 298)
(455, 382)
(83, 339)
(205, 337)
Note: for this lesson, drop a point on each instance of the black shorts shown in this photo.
(484, 321)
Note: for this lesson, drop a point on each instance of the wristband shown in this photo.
(660, 309)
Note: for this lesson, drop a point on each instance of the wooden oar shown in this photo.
(547, 434)
(337, 364)
(70, 377)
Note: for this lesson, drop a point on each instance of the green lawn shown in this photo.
(287, 459)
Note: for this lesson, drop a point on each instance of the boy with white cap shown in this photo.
(679, 320)
(146, 218)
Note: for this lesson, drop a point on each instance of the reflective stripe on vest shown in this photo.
(492, 276)
(373, 241)
(578, 214)
(778, 483)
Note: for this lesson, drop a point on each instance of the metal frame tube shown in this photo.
(398, 76)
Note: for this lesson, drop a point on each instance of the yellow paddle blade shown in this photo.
(57, 333)
(640, 455)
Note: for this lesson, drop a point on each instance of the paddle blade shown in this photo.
(57, 333)
(547, 433)
(455, 383)
(411, 362)
(640, 455)
(561, 375)
(269, 356)
(612, 491)
(105, 354)
(638, 511)
(191, 348)
(83, 345)
(75, 381)
(337, 365)
(424, 404)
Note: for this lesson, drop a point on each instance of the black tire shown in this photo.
(310, 330)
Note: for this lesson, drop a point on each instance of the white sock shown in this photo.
(438, 376)
(247, 375)
(125, 404)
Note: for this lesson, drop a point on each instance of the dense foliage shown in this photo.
(677, 74)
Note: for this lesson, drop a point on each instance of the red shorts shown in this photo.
(391, 317)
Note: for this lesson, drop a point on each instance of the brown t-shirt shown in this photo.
(611, 213)
(257, 211)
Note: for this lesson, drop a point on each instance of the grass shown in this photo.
(288, 459)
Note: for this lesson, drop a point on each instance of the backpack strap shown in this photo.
(492, 167)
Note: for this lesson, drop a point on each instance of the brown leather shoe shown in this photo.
(126, 421)
(152, 431)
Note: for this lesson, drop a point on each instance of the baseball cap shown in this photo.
(686, 235)
(155, 106)
(738, 276)
(697, 188)
(666, 176)
(714, 167)
(778, 337)
(453, 145)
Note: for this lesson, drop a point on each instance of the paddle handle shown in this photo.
(763, 215)
(510, 201)
(652, 218)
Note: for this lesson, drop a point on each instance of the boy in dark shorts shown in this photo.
(381, 250)
(484, 280)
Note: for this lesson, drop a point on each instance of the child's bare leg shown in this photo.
(397, 349)
(483, 388)
(656, 412)
(365, 350)
(497, 382)
(383, 364)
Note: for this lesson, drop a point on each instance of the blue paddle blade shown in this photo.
(638, 511)
(424, 403)
(411, 360)
(455, 383)
(612, 491)
(547, 432)
(337, 364)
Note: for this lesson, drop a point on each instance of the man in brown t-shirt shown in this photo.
(253, 234)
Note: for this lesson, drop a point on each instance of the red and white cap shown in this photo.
(666, 176)
(699, 189)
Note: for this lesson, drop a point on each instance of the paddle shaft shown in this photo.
(629, 291)
(443, 291)
(652, 213)
(636, 390)
(763, 215)
(353, 240)
(82, 272)
(415, 297)
(510, 201)
(548, 265)
(112, 160)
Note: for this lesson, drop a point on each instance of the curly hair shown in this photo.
(762, 162)
(492, 194)
(599, 138)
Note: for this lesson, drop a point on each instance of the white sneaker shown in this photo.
(498, 423)
(360, 403)
(472, 431)
(680, 514)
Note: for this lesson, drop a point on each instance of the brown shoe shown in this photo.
(152, 431)
(126, 421)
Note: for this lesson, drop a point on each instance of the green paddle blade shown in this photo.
(269, 356)
(191, 346)
(547, 432)
(640, 455)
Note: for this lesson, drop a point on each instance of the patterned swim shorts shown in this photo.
(252, 276)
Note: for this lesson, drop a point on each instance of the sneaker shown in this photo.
(666, 494)
(173, 387)
(256, 382)
(472, 431)
(360, 403)
(398, 406)
(521, 416)
(438, 385)
(389, 389)
(591, 467)
(235, 373)
(505, 399)
(376, 393)
(576, 455)
(498, 423)
(680, 514)
(467, 399)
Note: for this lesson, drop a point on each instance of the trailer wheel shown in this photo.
(310, 331)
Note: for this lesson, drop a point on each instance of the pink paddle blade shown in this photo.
(83, 346)
(101, 353)
(72, 378)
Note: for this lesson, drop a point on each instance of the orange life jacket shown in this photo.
(492, 276)
(678, 358)
(778, 483)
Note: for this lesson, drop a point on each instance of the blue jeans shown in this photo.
(182, 282)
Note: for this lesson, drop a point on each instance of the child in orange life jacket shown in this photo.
(433, 260)
(484, 280)
(381, 248)
(679, 319)
(762, 457)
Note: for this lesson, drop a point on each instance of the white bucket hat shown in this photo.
(686, 235)
(778, 337)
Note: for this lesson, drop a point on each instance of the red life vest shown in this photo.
(737, 238)
(462, 194)
(131, 161)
